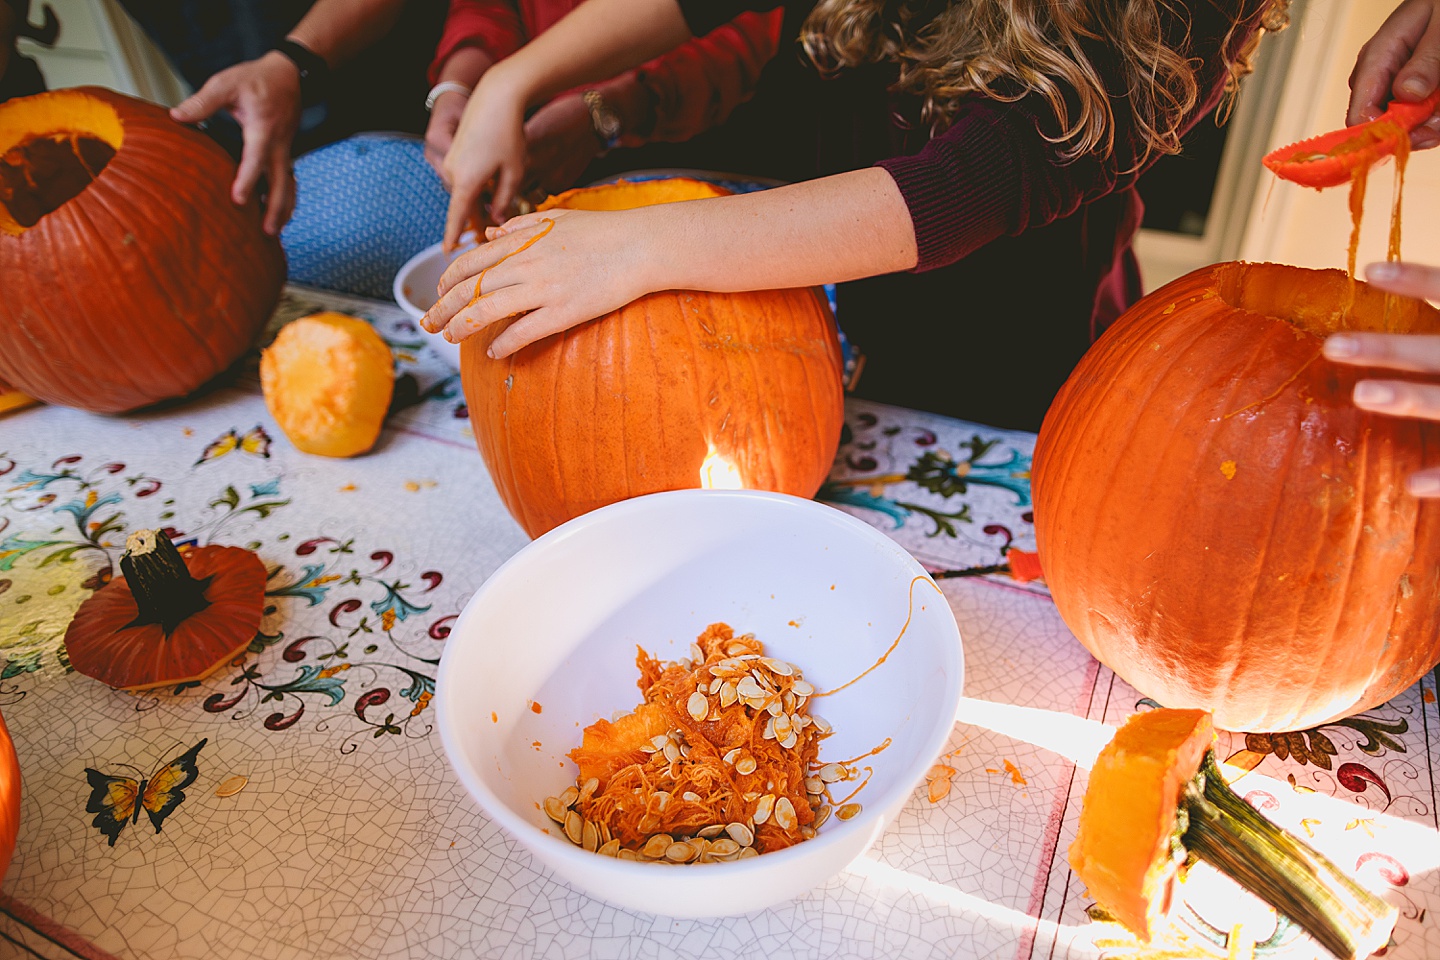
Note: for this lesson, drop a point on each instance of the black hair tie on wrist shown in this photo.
(314, 71)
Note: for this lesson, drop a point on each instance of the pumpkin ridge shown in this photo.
(1098, 515)
(119, 368)
(101, 199)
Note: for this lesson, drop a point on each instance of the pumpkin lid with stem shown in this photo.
(628, 194)
(1157, 797)
(170, 618)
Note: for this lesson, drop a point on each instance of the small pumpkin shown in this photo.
(1220, 524)
(12, 399)
(646, 398)
(130, 276)
(169, 619)
(327, 380)
(1157, 796)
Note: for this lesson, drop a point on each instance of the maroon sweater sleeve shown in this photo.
(993, 174)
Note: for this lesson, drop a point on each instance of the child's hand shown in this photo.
(1418, 353)
(558, 268)
(489, 145)
(1402, 61)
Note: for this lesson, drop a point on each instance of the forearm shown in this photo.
(599, 39)
(337, 30)
(466, 65)
(837, 228)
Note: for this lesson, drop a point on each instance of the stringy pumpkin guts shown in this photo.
(720, 762)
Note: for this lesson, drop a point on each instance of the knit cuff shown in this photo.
(963, 189)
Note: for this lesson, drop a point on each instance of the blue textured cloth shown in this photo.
(363, 207)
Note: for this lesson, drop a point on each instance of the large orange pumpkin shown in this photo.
(129, 275)
(1217, 521)
(635, 402)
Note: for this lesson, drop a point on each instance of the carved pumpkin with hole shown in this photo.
(674, 386)
(130, 276)
(1217, 521)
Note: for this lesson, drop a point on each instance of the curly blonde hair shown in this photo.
(1010, 49)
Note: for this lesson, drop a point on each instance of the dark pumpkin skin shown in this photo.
(147, 283)
(633, 402)
(1220, 525)
(104, 642)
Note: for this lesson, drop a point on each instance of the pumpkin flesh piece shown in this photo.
(1122, 851)
(1157, 796)
(327, 381)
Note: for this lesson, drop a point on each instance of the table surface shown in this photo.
(325, 821)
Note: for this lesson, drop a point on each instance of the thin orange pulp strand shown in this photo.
(478, 296)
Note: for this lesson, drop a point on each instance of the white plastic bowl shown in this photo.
(414, 290)
(558, 625)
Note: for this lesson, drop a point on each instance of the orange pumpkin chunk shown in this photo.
(327, 380)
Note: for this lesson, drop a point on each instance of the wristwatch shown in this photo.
(604, 120)
(314, 71)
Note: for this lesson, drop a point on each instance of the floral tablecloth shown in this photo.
(324, 821)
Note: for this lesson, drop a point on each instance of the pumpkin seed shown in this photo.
(610, 849)
(697, 706)
(588, 790)
(569, 796)
(725, 847)
(574, 827)
(691, 796)
(762, 808)
(802, 688)
(680, 852)
(656, 846)
(746, 853)
(821, 816)
(589, 837)
(740, 833)
(832, 773)
(848, 811)
(745, 766)
(785, 817)
(555, 810)
(711, 832)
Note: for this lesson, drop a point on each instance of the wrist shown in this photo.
(632, 103)
(312, 73)
(505, 81)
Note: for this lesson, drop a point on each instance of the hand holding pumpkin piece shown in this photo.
(170, 618)
(1157, 797)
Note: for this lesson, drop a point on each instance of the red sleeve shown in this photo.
(698, 84)
(492, 25)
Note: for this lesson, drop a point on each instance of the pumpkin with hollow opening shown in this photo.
(636, 401)
(1217, 521)
(131, 277)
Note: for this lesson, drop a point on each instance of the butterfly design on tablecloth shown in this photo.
(255, 442)
(116, 801)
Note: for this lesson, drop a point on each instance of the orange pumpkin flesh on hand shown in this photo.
(169, 619)
(1221, 525)
(635, 402)
(1156, 796)
(327, 381)
(130, 276)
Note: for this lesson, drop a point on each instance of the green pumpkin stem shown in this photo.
(156, 574)
(1232, 836)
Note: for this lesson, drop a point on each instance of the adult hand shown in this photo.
(440, 131)
(1402, 61)
(489, 148)
(561, 142)
(264, 97)
(556, 269)
(1417, 353)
